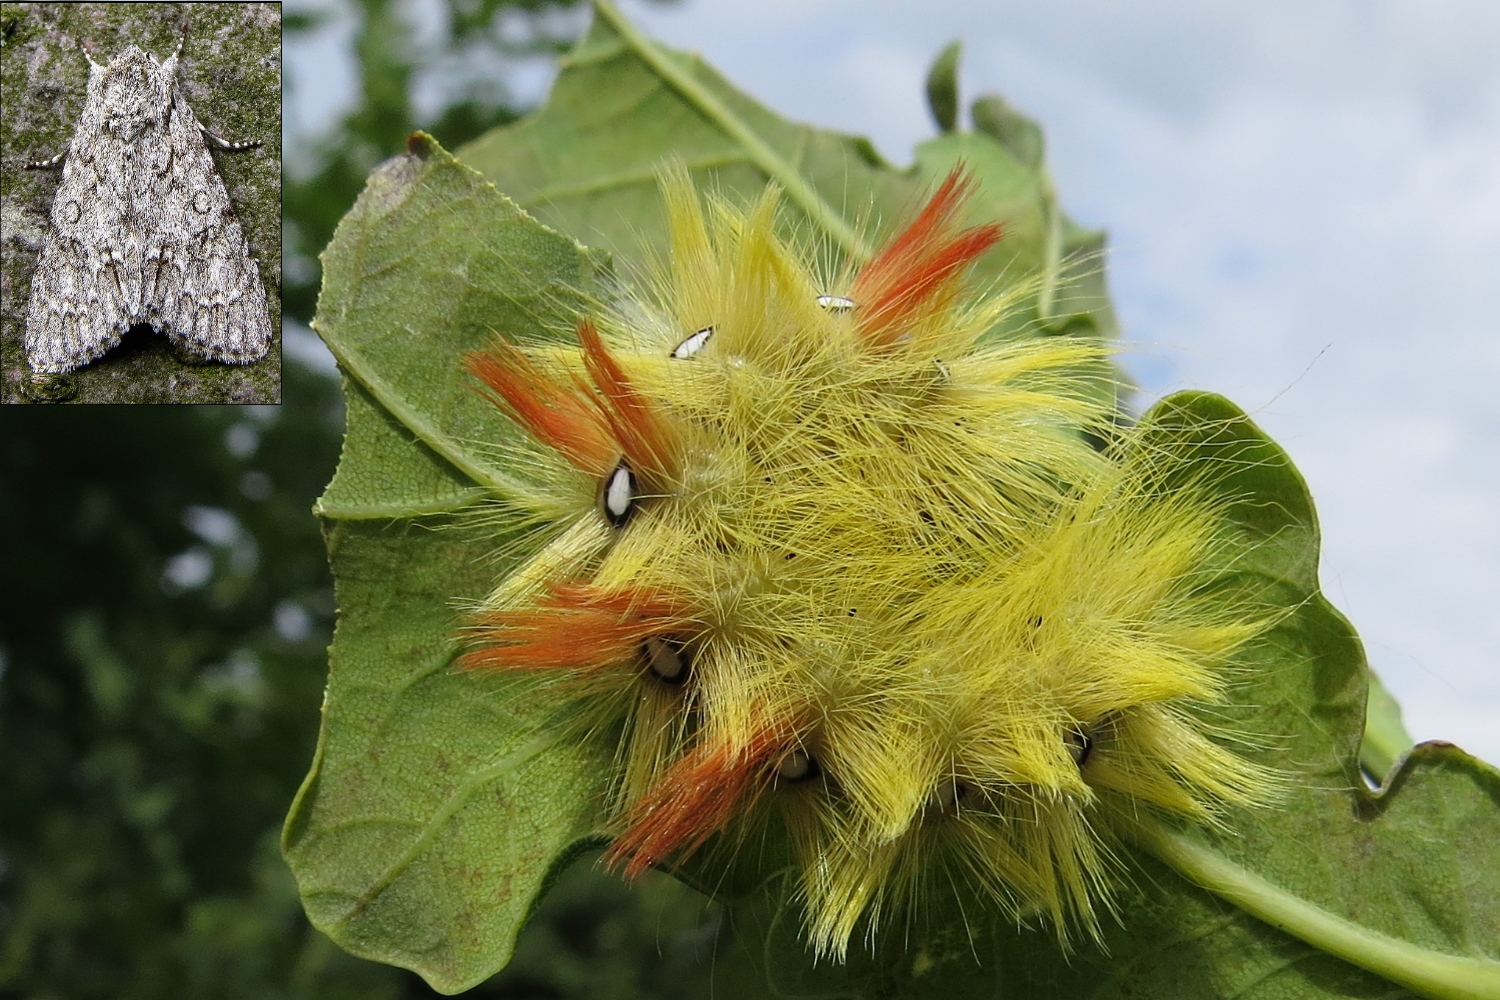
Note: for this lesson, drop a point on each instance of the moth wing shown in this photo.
(79, 306)
(207, 294)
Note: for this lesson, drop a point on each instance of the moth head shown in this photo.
(136, 93)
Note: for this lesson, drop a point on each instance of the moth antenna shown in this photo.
(90, 57)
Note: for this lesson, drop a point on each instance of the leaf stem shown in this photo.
(1431, 973)
(761, 154)
(1046, 301)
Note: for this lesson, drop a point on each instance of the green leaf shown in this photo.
(429, 264)
(942, 87)
(1020, 136)
(436, 805)
(1386, 738)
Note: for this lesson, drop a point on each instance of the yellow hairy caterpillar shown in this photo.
(830, 562)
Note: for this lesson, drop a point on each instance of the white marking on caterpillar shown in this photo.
(796, 766)
(835, 303)
(693, 344)
(619, 495)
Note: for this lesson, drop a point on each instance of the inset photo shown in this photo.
(140, 184)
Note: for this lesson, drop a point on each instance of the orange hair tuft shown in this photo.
(644, 436)
(576, 627)
(696, 797)
(908, 276)
(558, 414)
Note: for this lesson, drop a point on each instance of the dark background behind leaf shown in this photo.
(164, 613)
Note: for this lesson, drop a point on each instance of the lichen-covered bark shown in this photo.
(230, 73)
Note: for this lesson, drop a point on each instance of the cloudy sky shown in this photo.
(1303, 201)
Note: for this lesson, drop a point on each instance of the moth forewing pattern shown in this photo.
(927, 624)
(142, 231)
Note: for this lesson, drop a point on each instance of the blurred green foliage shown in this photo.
(390, 56)
(165, 609)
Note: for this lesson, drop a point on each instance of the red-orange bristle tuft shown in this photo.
(694, 799)
(576, 627)
(559, 414)
(906, 277)
(637, 423)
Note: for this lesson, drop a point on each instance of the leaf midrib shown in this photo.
(508, 763)
(358, 367)
(757, 150)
